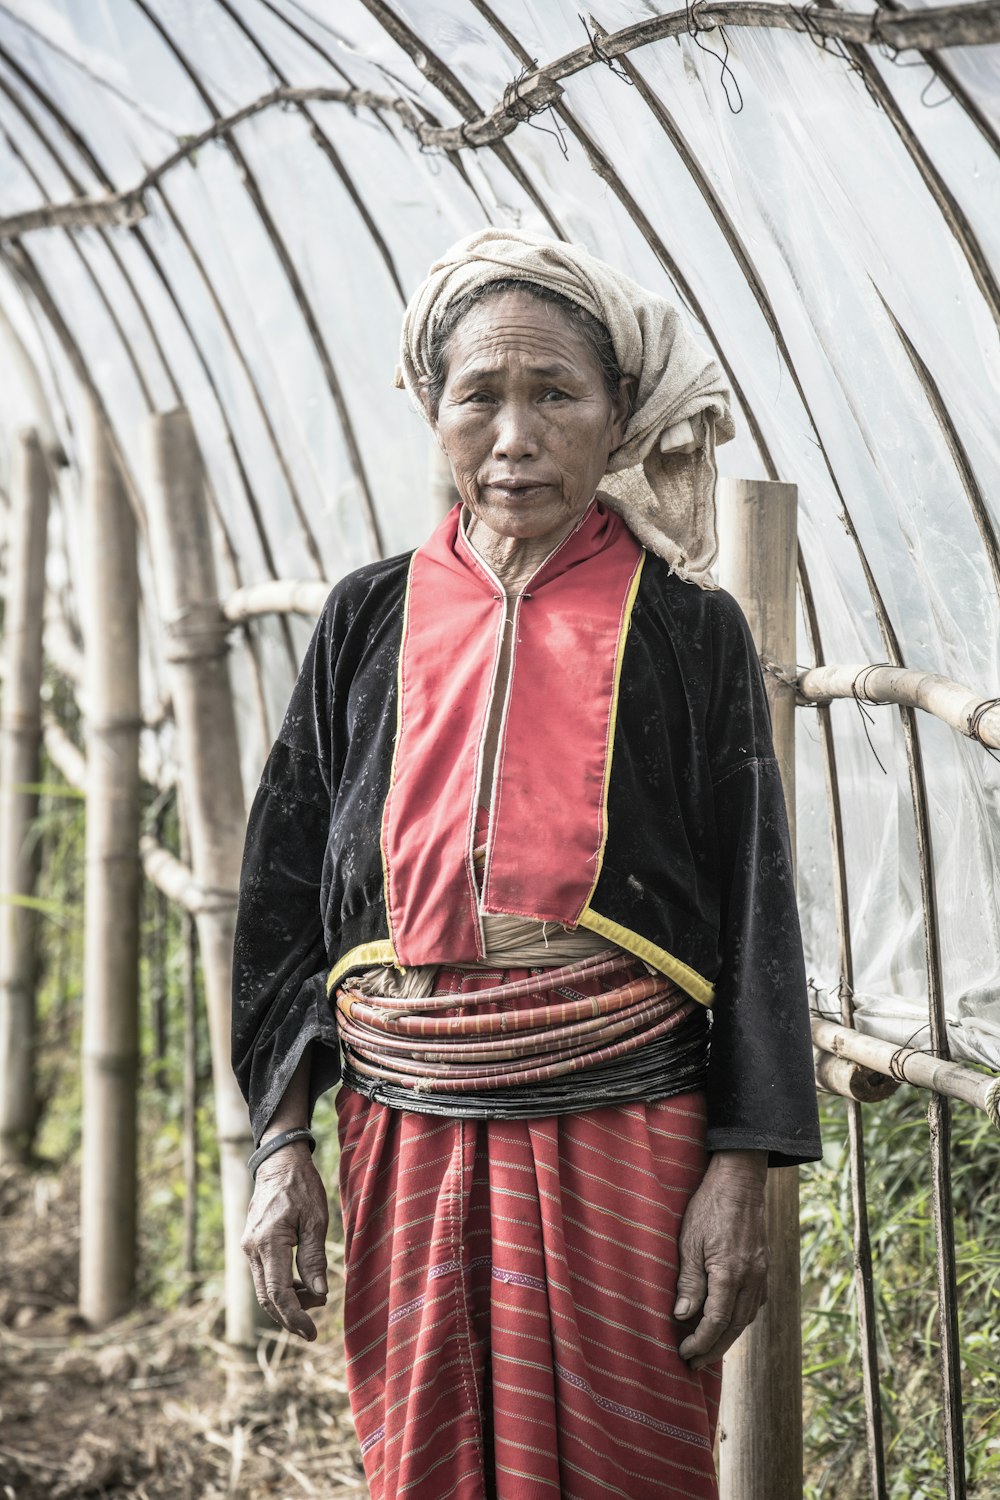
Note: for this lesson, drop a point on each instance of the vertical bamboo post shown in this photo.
(760, 1423)
(20, 737)
(196, 631)
(108, 1173)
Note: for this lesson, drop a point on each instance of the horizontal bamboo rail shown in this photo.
(851, 1080)
(279, 596)
(62, 650)
(908, 1065)
(69, 761)
(959, 707)
(161, 866)
(177, 880)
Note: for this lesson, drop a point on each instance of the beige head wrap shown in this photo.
(661, 481)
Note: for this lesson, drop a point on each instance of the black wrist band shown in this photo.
(286, 1138)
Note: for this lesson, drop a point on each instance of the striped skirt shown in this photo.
(509, 1287)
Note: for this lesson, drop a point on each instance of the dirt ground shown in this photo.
(156, 1407)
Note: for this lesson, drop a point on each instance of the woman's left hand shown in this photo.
(722, 1279)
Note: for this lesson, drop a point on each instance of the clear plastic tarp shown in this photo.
(829, 224)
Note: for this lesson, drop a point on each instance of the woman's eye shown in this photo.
(553, 394)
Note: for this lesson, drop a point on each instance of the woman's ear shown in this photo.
(425, 401)
(622, 407)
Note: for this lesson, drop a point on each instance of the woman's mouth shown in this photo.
(515, 489)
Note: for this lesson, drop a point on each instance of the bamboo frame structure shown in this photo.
(847, 1062)
(975, 24)
(760, 1418)
(108, 1156)
(212, 792)
(20, 737)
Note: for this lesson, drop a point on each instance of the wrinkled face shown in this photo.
(525, 417)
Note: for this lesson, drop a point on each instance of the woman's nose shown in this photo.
(515, 437)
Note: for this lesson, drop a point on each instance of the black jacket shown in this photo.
(696, 862)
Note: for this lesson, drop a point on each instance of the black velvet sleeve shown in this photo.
(280, 1004)
(761, 1088)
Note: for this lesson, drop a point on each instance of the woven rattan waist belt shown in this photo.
(644, 1039)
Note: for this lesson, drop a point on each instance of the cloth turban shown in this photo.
(661, 480)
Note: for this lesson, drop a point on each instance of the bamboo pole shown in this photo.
(108, 1171)
(907, 1064)
(851, 1080)
(277, 596)
(187, 590)
(189, 1236)
(760, 1420)
(20, 737)
(960, 707)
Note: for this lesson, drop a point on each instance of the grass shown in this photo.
(903, 1247)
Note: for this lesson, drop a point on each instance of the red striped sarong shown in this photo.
(509, 1287)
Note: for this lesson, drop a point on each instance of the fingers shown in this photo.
(288, 1212)
(306, 1297)
(730, 1308)
(310, 1258)
(282, 1302)
(692, 1287)
(714, 1321)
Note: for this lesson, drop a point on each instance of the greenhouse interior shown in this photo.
(213, 214)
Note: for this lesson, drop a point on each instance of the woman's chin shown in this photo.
(526, 515)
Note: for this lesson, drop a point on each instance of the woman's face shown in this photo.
(525, 417)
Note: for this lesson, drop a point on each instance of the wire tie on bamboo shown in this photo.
(615, 68)
(859, 687)
(861, 695)
(787, 676)
(897, 1065)
(974, 723)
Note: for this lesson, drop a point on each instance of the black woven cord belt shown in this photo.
(674, 1064)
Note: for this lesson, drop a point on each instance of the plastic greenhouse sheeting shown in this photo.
(827, 216)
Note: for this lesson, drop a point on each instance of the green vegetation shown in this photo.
(902, 1231)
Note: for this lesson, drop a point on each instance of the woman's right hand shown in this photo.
(288, 1215)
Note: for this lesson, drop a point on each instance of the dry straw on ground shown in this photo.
(156, 1407)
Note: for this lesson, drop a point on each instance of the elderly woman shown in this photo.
(520, 855)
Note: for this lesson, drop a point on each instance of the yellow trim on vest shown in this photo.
(395, 750)
(633, 589)
(698, 988)
(379, 952)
